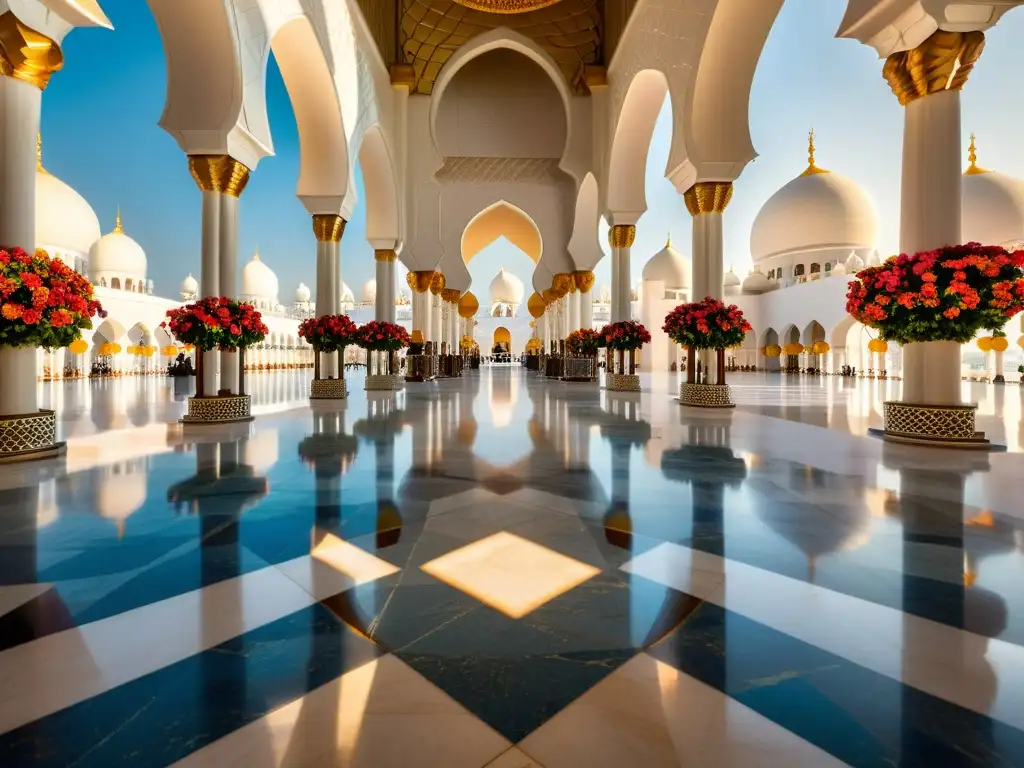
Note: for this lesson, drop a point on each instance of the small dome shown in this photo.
(115, 255)
(506, 288)
(259, 280)
(119, 495)
(369, 295)
(670, 267)
(64, 220)
(816, 210)
(189, 286)
(756, 282)
(839, 269)
(731, 279)
(302, 293)
(347, 297)
(992, 205)
(874, 259)
(854, 263)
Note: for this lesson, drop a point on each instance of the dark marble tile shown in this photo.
(861, 717)
(162, 717)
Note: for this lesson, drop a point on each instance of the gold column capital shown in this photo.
(708, 197)
(328, 227)
(562, 283)
(584, 280)
(420, 281)
(622, 235)
(25, 54)
(437, 283)
(943, 62)
(385, 254)
(218, 173)
(451, 295)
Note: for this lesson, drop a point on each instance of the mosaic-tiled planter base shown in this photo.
(222, 409)
(949, 426)
(622, 382)
(328, 389)
(705, 395)
(28, 437)
(383, 382)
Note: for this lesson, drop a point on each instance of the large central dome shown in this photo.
(506, 288)
(817, 210)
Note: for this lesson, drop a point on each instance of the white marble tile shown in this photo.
(43, 676)
(982, 674)
(381, 715)
(649, 714)
(334, 566)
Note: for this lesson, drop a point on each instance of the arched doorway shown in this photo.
(501, 341)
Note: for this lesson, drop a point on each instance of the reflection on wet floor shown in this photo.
(528, 571)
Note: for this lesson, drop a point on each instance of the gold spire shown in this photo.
(811, 167)
(39, 154)
(117, 222)
(972, 155)
(256, 254)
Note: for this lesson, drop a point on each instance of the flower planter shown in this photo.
(26, 431)
(220, 409)
(382, 371)
(581, 369)
(622, 382)
(328, 389)
(705, 395)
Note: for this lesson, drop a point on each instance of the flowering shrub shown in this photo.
(329, 333)
(584, 342)
(707, 324)
(948, 294)
(216, 323)
(625, 335)
(379, 336)
(43, 302)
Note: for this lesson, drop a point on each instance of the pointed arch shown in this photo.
(381, 187)
(585, 246)
(502, 219)
(631, 141)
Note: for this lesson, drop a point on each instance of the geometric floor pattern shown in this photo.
(503, 571)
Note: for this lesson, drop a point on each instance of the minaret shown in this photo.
(811, 167)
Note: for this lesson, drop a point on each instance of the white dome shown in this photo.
(302, 293)
(815, 211)
(115, 255)
(259, 280)
(119, 495)
(190, 285)
(756, 282)
(369, 291)
(64, 220)
(874, 259)
(992, 207)
(506, 288)
(854, 263)
(731, 279)
(839, 269)
(670, 267)
(347, 297)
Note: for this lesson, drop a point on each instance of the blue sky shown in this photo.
(101, 136)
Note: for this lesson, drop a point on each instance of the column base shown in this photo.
(29, 437)
(622, 382)
(222, 409)
(1000, 379)
(705, 395)
(328, 389)
(382, 382)
(948, 426)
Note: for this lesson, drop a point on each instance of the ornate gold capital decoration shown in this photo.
(468, 305)
(535, 305)
(437, 283)
(328, 227)
(943, 62)
(25, 54)
(451, 295)
(506, 6)
(385, 254)
(550, 296)
(403, 74)
(622, 235)
(218, 173)
(584, 280)
(562, 283)
(708, 197)
(420, 281)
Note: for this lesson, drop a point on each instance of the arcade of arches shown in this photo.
(448, 558)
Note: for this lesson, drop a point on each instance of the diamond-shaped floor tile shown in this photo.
(509, 573)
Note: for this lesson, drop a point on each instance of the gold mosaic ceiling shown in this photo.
(432, 30)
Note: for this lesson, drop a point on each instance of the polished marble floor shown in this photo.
(503, 571)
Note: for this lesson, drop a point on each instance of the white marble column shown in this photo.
(221, 179)
(436, 325)
(927, 81)
(620, 238)
(419, 283)
(384, 303)
(328, 228)
(706, 201)
(19, 126)
(585, 282)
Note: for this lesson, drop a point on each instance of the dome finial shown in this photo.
(972, 156)
(668, 240)
(811, 167)
(256, 253)
(117, 222)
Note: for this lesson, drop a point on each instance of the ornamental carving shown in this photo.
(943, 62)
(218, 173)
(506, 6)
(499, 170)
(584, 280)
(420, 281)
(328, 227)
(437, 283)
(708, 197)
(562, 284)
(622, 235)
(25, 54)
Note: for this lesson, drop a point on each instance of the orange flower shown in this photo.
(12, 311)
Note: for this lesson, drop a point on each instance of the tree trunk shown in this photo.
(720, 360)
(200, 389)
(691, 365)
